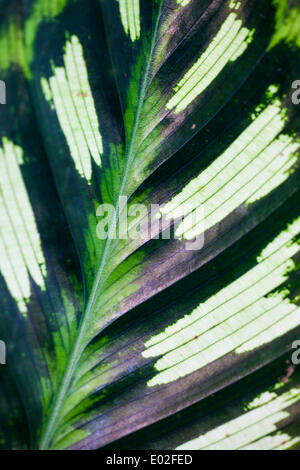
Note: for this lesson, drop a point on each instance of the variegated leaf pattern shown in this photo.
(150, 341)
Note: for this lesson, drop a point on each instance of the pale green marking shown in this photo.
(183, 3)
(262, 399)
(20, 246)
(278, 441)
(240, 317)
(282, 239)
(257, 162)
(270, 93)
(130, 17)
(280, 168)
(73, 101)
(234, 5)
(47, 92)
(230, 42)
(251, 430)
(243, 46)
(12, 47)
(272, 90)
(287, 27)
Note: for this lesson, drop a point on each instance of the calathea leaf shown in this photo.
(185, 105)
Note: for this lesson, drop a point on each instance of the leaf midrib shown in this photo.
(79, 346)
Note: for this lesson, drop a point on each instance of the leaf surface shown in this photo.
(181, 104)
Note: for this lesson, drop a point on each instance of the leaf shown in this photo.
(185, 105)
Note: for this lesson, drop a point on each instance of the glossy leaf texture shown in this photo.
(145, 338)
